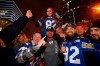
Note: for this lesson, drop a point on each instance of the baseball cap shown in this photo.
(50, 28)
(70, 25)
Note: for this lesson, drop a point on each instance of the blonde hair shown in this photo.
(25, 39)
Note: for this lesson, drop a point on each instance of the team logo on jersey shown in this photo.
(87, 45)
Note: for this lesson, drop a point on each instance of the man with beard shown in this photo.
(66, 43)
(95, 39)
(72, 48)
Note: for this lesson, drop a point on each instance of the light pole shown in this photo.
(73, 16)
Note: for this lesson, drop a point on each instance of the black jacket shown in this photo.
(7, 55)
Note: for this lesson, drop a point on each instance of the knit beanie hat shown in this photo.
(96, 23)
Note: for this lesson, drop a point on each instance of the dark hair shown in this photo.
(96, 23)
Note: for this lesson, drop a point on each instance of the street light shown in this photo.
(96, 11)
(96, 8)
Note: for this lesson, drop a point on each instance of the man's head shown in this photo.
(80, 29)
(70, 30)
(58, 30)
(50, 32)
(37, 37)
(95, 30)
(22, 38)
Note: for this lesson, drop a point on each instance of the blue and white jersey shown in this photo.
(87, 46)
(74, 52)
(25, 46)
(27, 51)
(49, 21)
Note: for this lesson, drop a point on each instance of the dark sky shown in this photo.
(38, 6)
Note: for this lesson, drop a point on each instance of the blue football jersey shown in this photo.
(49, 21)
(97, 51)
(74, 52)
(27, 46)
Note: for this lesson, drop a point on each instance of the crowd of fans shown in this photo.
(67, 45)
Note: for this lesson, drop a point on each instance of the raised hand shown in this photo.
(63, 49)
(62, 35)
(29, 14)
(41, 42)
(63, 26)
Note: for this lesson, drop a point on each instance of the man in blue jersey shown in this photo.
(69, 48)
(28, 51)
(95, 34)
(72, 48)
(87, 46)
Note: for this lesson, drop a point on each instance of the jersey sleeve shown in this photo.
(24, 53)
(41, 22)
